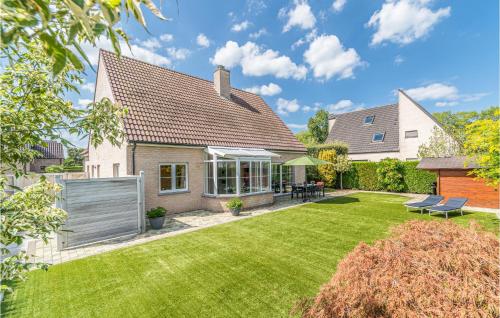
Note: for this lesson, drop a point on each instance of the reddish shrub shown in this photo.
(425, 269)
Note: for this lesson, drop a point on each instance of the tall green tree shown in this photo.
(75, 157)
(482, 145)
(440, 144)
(318, 126)
(306, 138)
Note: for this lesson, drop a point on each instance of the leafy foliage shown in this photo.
(75, 157)
(157, 212)
(54, 169)
(306, 138)
(425, 269)
(440, 144)
(318, 126)
(33, 109)
(61, 26)
(339, 147)
(28, 213)
(341, 164)
(390, 175)
(483, 146)
(327, 172)
(234, 204)
(417, 180)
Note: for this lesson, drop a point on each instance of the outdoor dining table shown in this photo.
(306, 189)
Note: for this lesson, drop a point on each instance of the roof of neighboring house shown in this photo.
(450, 163)
(350, 128)
(169, 107)
(54, 150)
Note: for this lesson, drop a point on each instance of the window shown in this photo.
(411, 134)
(378, 137)
(98, 171)
(116, 170)
(93, 171)
(282, 178)
(226, 177)
(369, 120)
(173, 177)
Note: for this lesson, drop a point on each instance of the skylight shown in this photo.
(369, 120)
(378, 137)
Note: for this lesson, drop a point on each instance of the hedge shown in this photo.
(340, 148)
(363, 176)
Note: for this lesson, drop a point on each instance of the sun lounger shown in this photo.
(453, 204)
(431, 200)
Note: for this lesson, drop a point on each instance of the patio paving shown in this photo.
(174, 225)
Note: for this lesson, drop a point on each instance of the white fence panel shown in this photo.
(101, 209)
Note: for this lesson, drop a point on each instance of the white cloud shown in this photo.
(254, 61)
(306, 39)
(178, 54)
(202, 40)
(398, 60)
(314, 108)
(300, 16)
(240, 26)
(474, 97)
(255, 6)
(433, 92)
(340, 106)
(166, 37)
(338, 5)
(135, 51)
(297, 126)
(404, 21)
(287, 106)
(328, 58)
(258, 34)
(444, 104)
(83, 103)
(88, 86)
(151, 43)
(266, 90)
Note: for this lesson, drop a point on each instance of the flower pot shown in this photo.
(235, 212)
(157, 223)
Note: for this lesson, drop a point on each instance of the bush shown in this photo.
(390, 175)
(54, 169)
(426, 269)
(326, 172)
(312, 172)
(73, 168)
(417, 180)
(156, 212)
(234, 204)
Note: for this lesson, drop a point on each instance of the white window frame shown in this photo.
(173, 177)
(116, 170)
(371, 122)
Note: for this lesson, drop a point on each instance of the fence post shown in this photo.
(140, 203)
(60, 203)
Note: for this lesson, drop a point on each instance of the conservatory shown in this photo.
(244, 171)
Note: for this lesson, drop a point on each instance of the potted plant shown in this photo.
(156, 217)
(235, 205)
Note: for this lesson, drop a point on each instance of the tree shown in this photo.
(61, 26)
(341, 164)
(440, 144)
(318, 126)
(482, 145)
(327, 172)
(390, 175)
(75, 157)
(306, 138)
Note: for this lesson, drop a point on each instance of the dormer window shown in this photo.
(378, 137)
(369, 120)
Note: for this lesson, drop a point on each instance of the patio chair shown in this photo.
(431, 200)
(321, 187)
(453, 204)
(297, 191)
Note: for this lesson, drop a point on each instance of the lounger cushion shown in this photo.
(443, 208)
(429, 201)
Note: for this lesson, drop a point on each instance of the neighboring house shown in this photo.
(199, 142)
(394, 131)
(454, 180)
(52, 154)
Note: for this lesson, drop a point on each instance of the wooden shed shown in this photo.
(454, 180)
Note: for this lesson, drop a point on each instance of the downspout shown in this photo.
(133, 158)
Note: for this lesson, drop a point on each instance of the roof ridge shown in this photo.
(365, 109)
(171, 70)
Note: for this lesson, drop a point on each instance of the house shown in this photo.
(394, 131)
(454, 180)
(198, 142)
(52, 154)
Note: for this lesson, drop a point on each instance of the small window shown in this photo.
(378, 137)
(98, 171)
(116, 170)
(411, 134)
(369, 120)
(173, 177)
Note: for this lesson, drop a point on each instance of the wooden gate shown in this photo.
(101, 209)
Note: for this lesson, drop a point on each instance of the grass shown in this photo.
(256, 267)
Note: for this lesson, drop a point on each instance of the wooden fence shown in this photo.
(101, 209)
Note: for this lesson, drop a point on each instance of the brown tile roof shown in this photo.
(169, 107)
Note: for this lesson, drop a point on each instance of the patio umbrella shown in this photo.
(306, 161)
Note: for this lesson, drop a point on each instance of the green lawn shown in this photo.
(256, 267)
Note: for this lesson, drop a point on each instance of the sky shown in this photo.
(338, 55)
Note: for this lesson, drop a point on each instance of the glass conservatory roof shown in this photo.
(229, 152)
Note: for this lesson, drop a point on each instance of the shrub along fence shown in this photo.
(370, 176)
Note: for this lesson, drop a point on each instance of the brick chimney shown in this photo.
(221, 82)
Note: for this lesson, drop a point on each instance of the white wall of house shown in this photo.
(374, 156)
(412, 118)
(106, 156)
